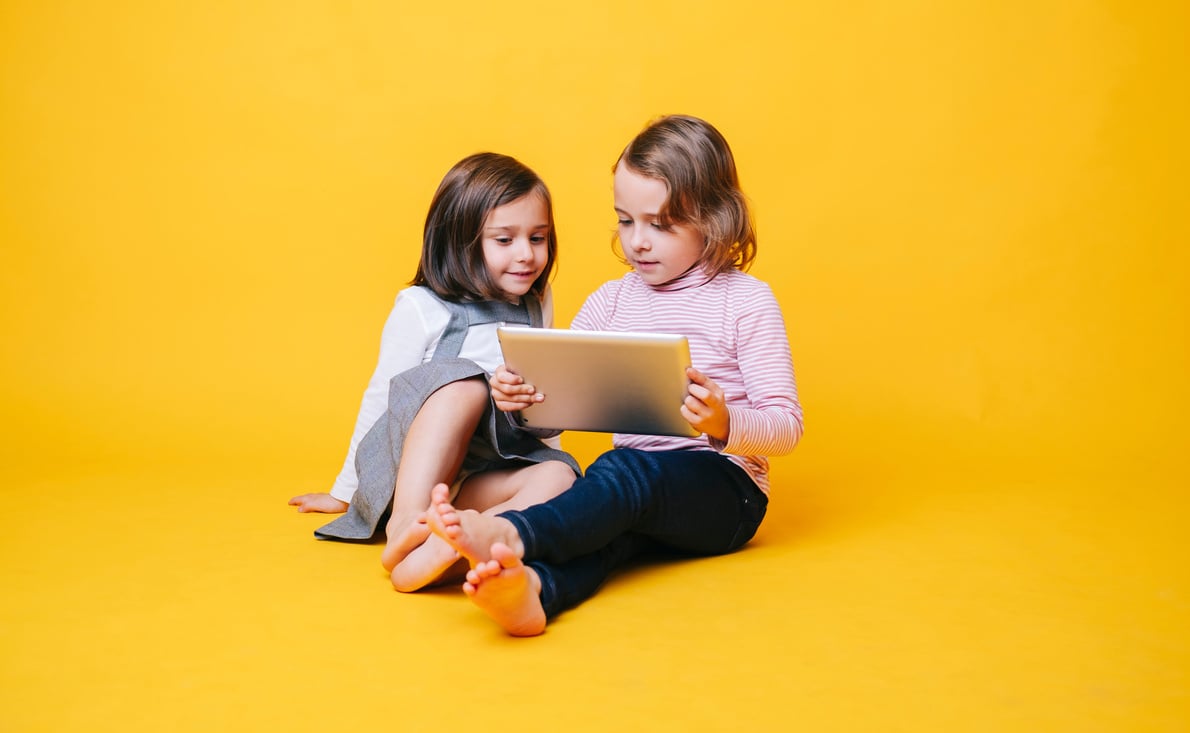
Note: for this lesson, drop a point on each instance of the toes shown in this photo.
(482, 571)
(503, 555)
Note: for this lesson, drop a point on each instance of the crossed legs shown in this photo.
(697, 503)
(434, 448)
(487, 493)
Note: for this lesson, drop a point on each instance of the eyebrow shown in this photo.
(647, 214)
(534, 228)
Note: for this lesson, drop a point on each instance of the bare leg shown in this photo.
(509, 591)
(490, 492)
(435, 445)
(426, 558)
(496, 491)
(470, 533)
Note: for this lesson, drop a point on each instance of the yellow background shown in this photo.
(971, 212)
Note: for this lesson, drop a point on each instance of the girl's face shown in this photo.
(516, 244)
(658, 252)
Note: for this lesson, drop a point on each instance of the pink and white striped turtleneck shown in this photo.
(737, 338)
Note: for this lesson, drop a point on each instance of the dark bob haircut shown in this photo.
(452, 262)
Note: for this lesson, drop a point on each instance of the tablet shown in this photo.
(601, 381)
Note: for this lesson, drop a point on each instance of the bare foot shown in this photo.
(470, 533)
(405, 534)
(507, 590)
(424, 565)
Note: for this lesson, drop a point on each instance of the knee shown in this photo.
(616, 460)
(624, 464)
(469, 390)
(555, 474)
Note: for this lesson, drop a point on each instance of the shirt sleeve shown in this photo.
(770, 424)
(403, 344)
(597, 309)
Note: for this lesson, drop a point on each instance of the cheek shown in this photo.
(692, 248)
(491, 259)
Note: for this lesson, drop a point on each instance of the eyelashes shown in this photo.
(655, 224)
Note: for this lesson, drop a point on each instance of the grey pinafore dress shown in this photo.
(497, 442)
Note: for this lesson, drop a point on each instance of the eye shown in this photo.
(624, 222)
(503, 240)
(538, 239)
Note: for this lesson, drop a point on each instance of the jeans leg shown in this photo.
(567, 585)
(693, 501)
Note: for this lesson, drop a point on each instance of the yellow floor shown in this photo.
(165, 601)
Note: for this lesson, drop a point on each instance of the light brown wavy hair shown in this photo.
(695, 162)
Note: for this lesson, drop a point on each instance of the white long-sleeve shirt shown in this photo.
(410, 336)
(737, 338)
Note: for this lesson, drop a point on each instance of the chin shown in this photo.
(518, 291)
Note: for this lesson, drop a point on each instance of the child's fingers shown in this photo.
(702, 387)
(512, 392)
(505, 377)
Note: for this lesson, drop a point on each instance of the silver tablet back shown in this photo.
(601, 381)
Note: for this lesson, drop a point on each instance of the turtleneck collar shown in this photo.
(691, 278)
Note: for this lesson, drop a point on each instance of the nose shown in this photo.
(637, 239)
(523, 249)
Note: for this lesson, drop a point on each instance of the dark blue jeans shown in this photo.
(630, 501)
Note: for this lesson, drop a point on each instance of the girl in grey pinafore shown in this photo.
(497, 441)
